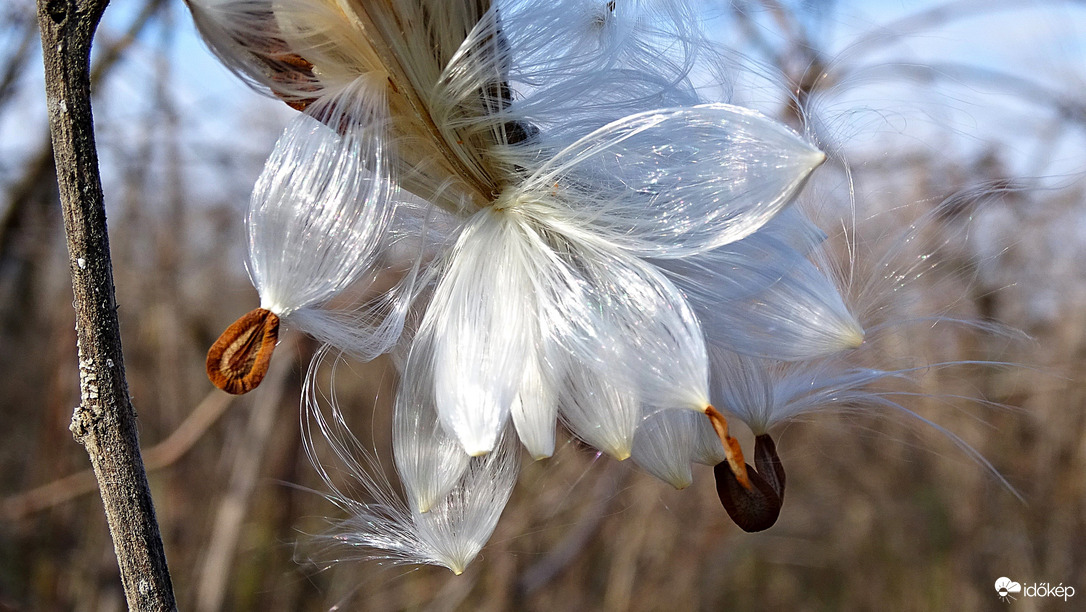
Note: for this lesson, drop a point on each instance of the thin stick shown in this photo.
(159, 456)
(222, 548)
(104, 422)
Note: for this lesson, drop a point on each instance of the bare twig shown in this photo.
(231, 514)
(18, 58)
(24, 191)
(161, 455)
(104, 422)
(935, 17)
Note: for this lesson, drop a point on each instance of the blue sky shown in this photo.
(1039, 41)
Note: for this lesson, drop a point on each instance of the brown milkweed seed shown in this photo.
(754, 508)
(239, 359)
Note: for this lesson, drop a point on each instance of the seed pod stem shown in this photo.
(732, 451)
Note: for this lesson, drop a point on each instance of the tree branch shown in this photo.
(104, 422)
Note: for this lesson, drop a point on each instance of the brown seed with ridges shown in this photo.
(239, 359)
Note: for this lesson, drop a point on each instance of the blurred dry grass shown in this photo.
(880, 513)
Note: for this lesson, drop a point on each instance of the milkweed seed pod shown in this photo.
(566, 223)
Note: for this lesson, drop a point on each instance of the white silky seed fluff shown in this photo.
(537, 301)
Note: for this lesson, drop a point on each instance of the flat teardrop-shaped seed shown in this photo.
(758, 507)
(769, 465)
(239, 359)
(754, 509)
(299, 67)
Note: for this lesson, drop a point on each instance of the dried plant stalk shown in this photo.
(104, 422)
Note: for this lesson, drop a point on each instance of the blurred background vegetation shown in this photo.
(971, 108)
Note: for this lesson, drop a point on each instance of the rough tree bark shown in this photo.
(104, 422)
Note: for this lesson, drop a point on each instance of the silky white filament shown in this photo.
(535, 408)
(320, 208)
(245, 37)
(454, 527)
(535, 210)
(668, 441)
(582, 65)
(320, 219)
(478, 329)
(604, 412)
(762, 296)
(428, 460)
(676, 182)
(621, 318)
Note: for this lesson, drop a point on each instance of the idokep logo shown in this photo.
(1007, 588)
